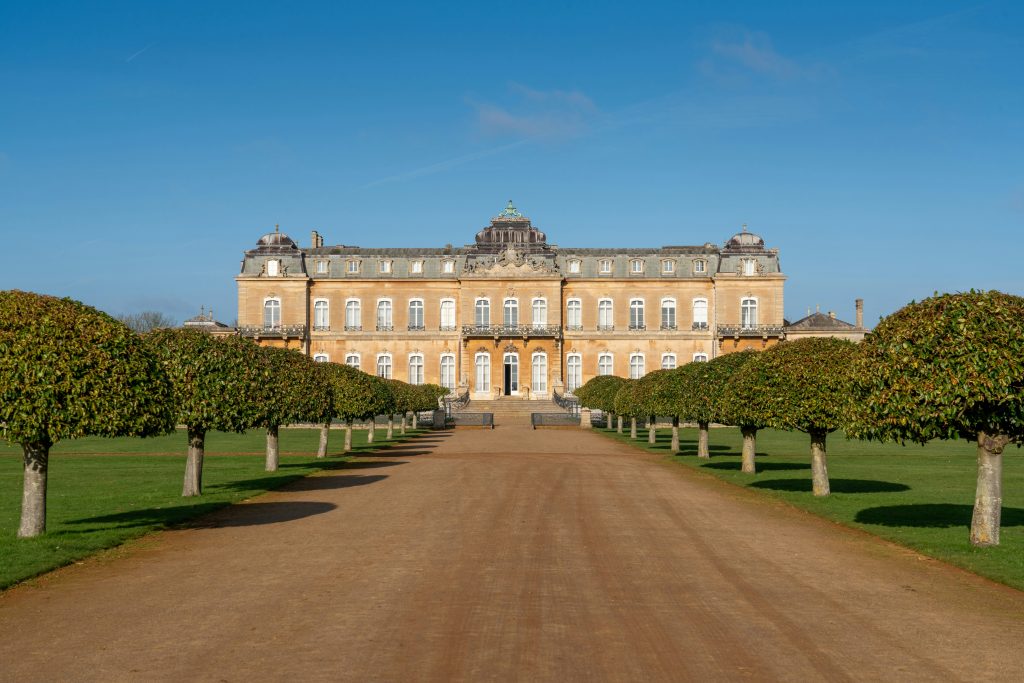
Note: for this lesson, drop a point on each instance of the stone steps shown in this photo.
(511, 411)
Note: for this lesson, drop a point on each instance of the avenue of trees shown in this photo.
(68, 370)
(948, 367)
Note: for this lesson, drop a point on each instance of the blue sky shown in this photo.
(145, 146)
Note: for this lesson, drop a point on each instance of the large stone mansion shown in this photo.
(511, 314)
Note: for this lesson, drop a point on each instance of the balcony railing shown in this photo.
(385, 328)
(574, 328)
(321, 328)
(353, 328)
(637, 327)
(701, 326)
(447, 328)
(750, 330)
(606, 328)
(668, 327)
(273, 331)
(511, 331)
(417, 328)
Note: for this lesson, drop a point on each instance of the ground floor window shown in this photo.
(604, 364)
(483, 372)
(668, 361)
(416, 369)
(636, 366)
(573, 372)
(539, 378)
(448, 372)
(321, 358)
(700, 358)
(352, 360)
(384, 366)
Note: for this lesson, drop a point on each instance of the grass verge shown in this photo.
(103, 492)
(921, 497)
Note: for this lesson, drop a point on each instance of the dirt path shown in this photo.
(455, 558)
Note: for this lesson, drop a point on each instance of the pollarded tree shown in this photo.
(427, 398)
(217, 387)
(801, 385)
(631, 401)
(702, 392)
(662, 389)
(358, 396)
(599, 393)
(951, 366)
(293, 390)
(66, 371)
(404, 398)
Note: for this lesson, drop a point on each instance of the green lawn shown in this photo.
(918, 496)
(97, 501)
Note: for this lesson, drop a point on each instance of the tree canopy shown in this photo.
(662, 390)
(294, 388)
(599, 392)
(702, 387)
(358, 395)
(631, 400)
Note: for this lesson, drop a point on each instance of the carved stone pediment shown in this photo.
(511, 263)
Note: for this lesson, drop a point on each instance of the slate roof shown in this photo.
(821, 321)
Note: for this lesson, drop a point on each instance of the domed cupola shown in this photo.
(276, 239)
(744, 242)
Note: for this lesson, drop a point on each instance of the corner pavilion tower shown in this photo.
(511, 315)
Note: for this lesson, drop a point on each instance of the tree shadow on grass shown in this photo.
(761, 466)
(298, 482)
(835, 485)
(931, 515)
(253, 514)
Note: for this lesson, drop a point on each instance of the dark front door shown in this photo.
(508, 378)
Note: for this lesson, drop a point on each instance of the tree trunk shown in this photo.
(749, 449)
(325, 432)
(33, 492)
(415, 420)
(273, 454)
(652, 429)
(675, 435)
(371, 429)
(632, 427)
(194, 463)
(619, 422)
(401, 425)
(391, 427)
(702, 440)
(988, 501)
(819, 464)
(348, 436)
(608, 420)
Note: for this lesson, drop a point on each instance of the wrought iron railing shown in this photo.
(417, 328)
(385, 328)
(455, 402)
(637, 327)
(273, 331)
(669, 327)
(750, 330)
(605, 328)
(447, 328)
(353, 328)
(700, 326)
(511, 330)
(574, 328)
(571, 404)
(321, 328)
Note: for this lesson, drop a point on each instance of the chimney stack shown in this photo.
(316, 239)
(859, 304)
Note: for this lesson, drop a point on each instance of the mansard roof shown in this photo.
(820, 321)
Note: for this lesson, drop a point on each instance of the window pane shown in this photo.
(539, 383)
(511, 313)
(574, 373)
(483, 313)
(272, 314)
(483, 372)
(700, 311)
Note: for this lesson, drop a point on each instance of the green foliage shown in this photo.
(357, 395)
(631, 400)
(796, 385)
(217, 381)
(599, 392)
(702, 387)
(403, 394)
(949, 366)
(294, 388)
(428, 395)
(68, 370)
(661, 392)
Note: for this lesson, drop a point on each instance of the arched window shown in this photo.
(384, 365)
(539, 376)
(448, 371)
(668, 361)
(482, 314)
(574, 314)
(574, 266)
(604, 364)
(748, 313)
(700, 357)
(352, 360)
(636, 314)
(540, 312)
(668, 313)
(416, 314)
(416, 368)
(636, 365)
(320, 358)
(573, 372)
(384, 320)
(604, 315)
(700, 314)
(447, 315)
(353, 315)
(483, 372)
(321, 315)
(511, 313)
(272, 314)
(448, 266)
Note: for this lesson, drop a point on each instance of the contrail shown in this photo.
(139, 53)
(444, 165)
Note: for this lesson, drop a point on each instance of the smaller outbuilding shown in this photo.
(820, 324)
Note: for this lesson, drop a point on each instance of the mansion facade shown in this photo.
(511, 314)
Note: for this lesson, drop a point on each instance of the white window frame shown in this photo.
(321, 358)
(389, 322)
(747, 321)
(321, 267)
(637, 365)
(384, 267)
(700, 266)
(668, 361)
(573, 372)
(574, 265)
(700, 313)
(273, 323)
(506, 309)
(749, 267)
(486, 308)
(542, 319)
(668, 304)
(700, 357)
(273, 267)
(482, 372)
(604, 266)
(416, 369)
(416, 267)
(321, 314)
(605, 314)
(447, 366)
(448, 266)
(422, 325)
(447, 322)
(574, 313)
(349, 360)
(636, 266)
(637, 313)
(539, 373)
(352, 265)
(353, 314)
(385, 369)
(668, 267)
(605, 363)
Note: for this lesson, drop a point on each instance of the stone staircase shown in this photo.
(511, 411)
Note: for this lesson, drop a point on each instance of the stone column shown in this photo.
(585, 418)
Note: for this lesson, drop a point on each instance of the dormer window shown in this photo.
(604, 266)
(352, 266)
(749, 266)
(385, 266)
(574, 266)
(636, 266)
(668, 267)
(416, 267)
(700, 266)
(273, 268)
(321, 267)
(448, 266)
